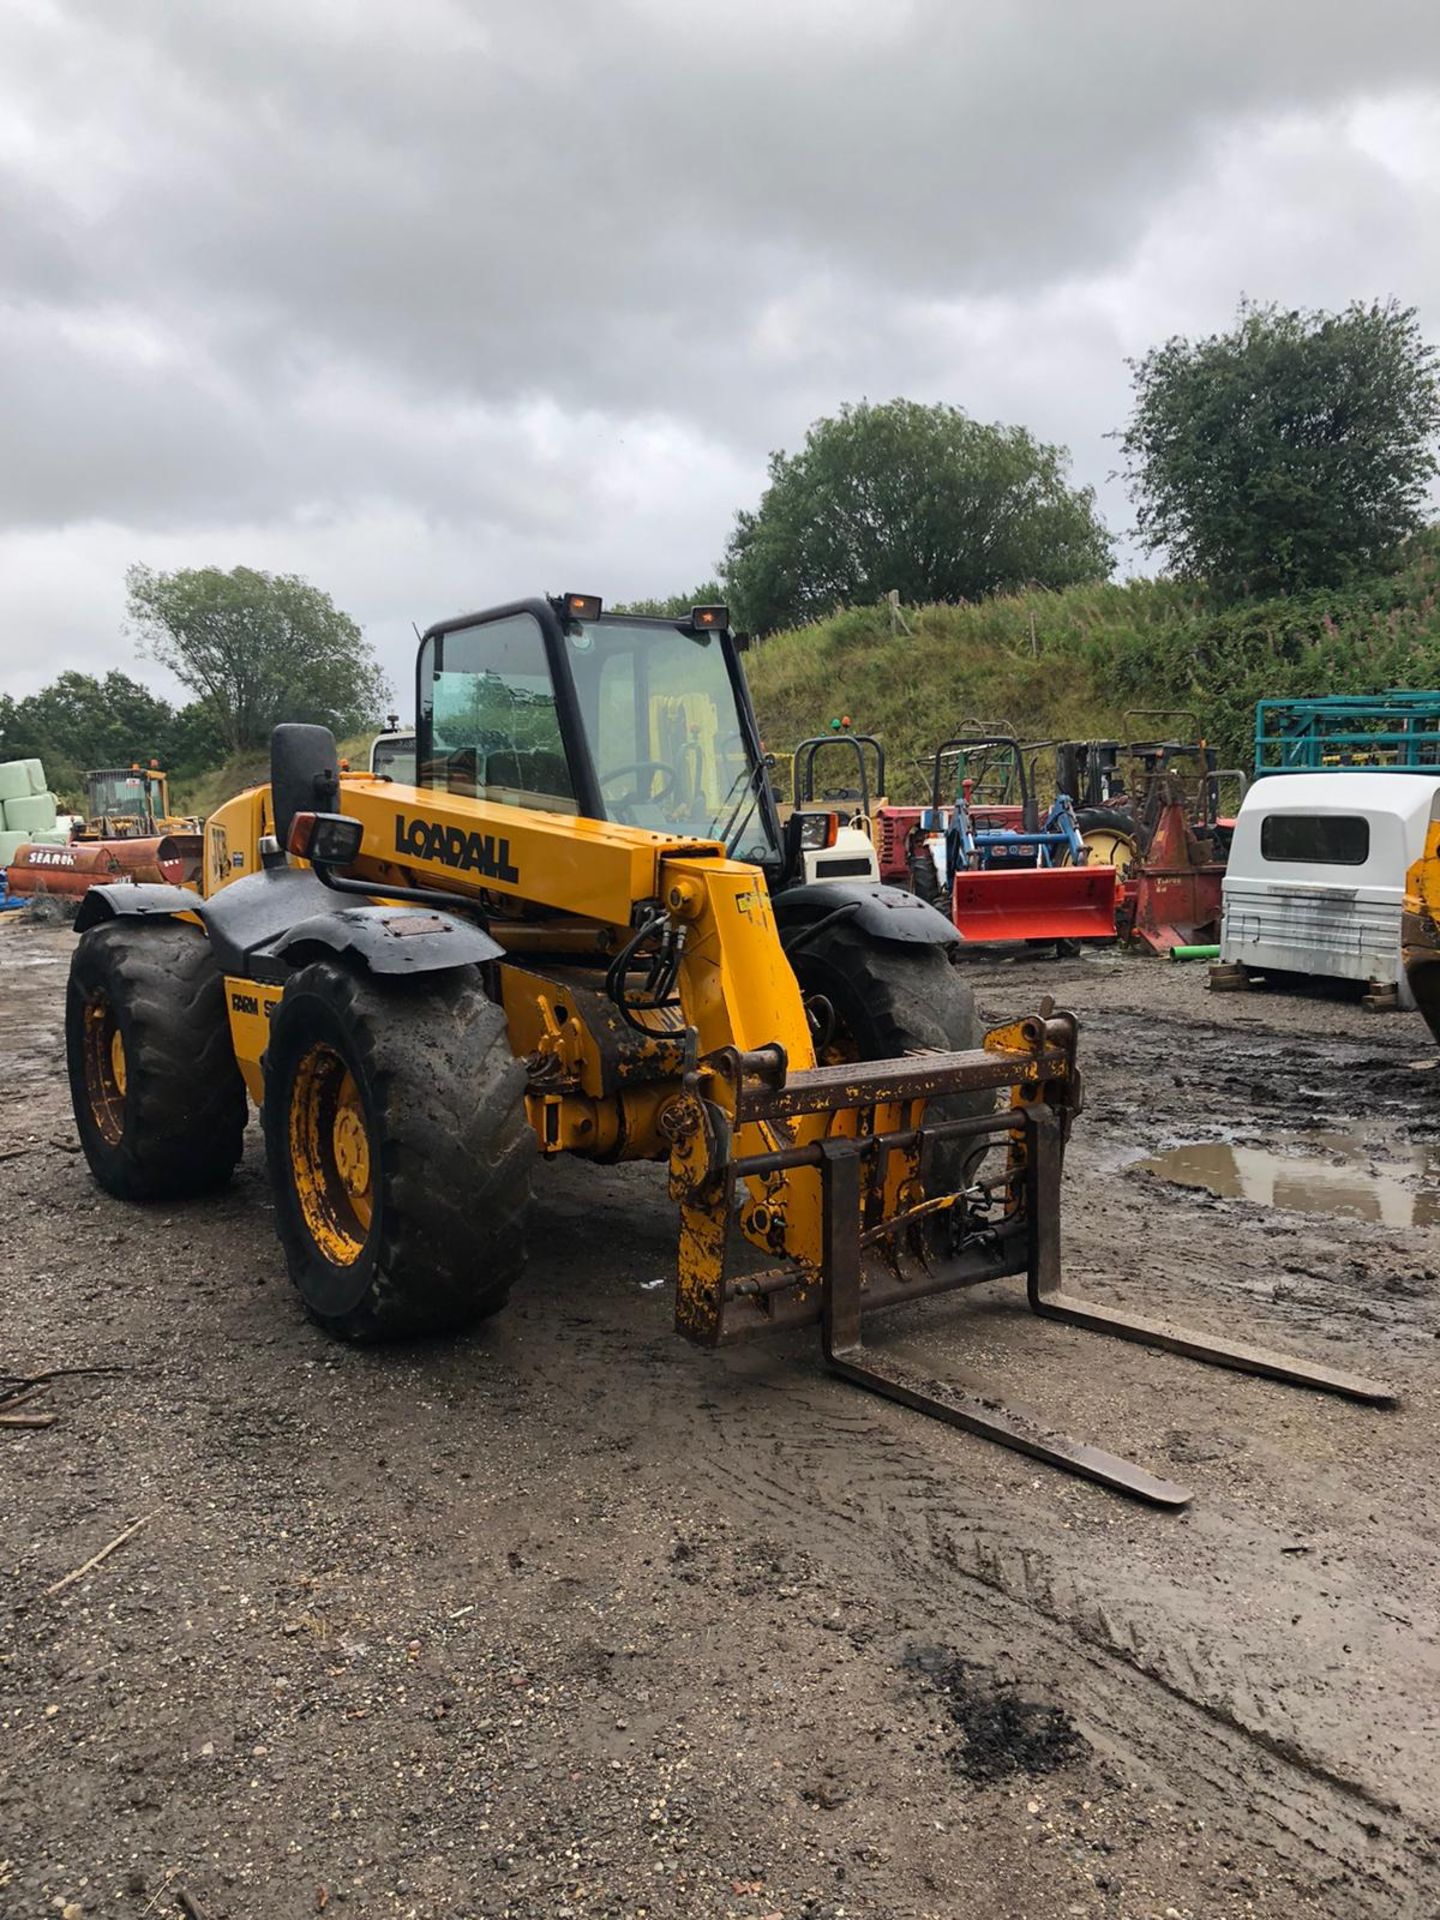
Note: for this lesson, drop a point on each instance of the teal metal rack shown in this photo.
(1392, 732)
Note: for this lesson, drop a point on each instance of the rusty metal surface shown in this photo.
(72, 870)
(917, 1077)
(1019, 1430)
(1177, 886)
(1235, 1354)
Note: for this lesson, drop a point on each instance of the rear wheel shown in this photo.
(873, 1000)
(399, 1151)
(925, 878)
(158, 1099)
(1113, 840)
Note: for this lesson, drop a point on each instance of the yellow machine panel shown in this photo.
(251, 1008)
(232, 839)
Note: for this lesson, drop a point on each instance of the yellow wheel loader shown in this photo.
(583, 930)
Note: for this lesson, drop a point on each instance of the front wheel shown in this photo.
(398, 1149)
(879, 1000)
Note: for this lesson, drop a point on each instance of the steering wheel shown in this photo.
(645, 770)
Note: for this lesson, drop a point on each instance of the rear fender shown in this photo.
(145, 900)
(273, 921)
(883, 913)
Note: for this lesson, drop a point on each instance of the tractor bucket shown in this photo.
(1035, 903)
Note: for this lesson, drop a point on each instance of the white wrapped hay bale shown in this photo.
(9, 842)
(30, 813)
(15, 779)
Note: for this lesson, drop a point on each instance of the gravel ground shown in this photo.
(570, 1619)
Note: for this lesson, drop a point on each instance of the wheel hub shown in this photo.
(331, 1162)
(105, 1069)
(117, 1060)
(352, 1144)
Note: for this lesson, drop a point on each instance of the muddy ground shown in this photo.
(570, 1619)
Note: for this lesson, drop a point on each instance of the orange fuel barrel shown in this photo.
(73, 870)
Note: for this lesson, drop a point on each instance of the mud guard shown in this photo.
(286, 915)
(391, 939)
(145, 900)
(884, 913)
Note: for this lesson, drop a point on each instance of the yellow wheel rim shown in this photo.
(330, 1157)
(1111, 849)
(104, 1055)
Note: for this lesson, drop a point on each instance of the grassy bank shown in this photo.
(251, 769)
(1074, 664)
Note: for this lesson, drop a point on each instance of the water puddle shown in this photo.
(1337, 1175)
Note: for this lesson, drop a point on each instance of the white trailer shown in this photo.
(1315, 882)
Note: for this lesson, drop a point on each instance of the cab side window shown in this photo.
(495, 732)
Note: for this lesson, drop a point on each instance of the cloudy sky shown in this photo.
(442, 301)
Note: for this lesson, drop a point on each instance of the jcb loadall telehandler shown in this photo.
(582, 931)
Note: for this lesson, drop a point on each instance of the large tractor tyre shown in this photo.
(875, 1000)
(398, 1149)
(159, 1102)
(925, 880)
(1112, 837)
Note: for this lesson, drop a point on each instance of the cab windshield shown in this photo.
(658, 712)
(120, 792)
(392, 756)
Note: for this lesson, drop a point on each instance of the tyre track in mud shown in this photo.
(1219, 1713)
(1281, 1694)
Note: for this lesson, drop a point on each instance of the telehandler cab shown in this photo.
(582, 931)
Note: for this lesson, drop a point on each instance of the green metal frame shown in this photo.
(1397, 731)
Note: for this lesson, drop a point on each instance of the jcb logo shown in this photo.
(453, 847)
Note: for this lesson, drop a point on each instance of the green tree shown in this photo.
(922, 500)
(1293, 451)
(674, 606)
(79, 722)
(256, 649)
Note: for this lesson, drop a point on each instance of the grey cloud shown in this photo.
(537, 202)
(545, 277)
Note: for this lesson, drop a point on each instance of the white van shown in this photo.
(1316, 877)
(392, 755)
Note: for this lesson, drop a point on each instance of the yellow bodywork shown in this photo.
(1420, 929)
(735, 985)
(251, 1007)
(560, 894)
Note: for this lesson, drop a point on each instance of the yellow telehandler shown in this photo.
(584, 930)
